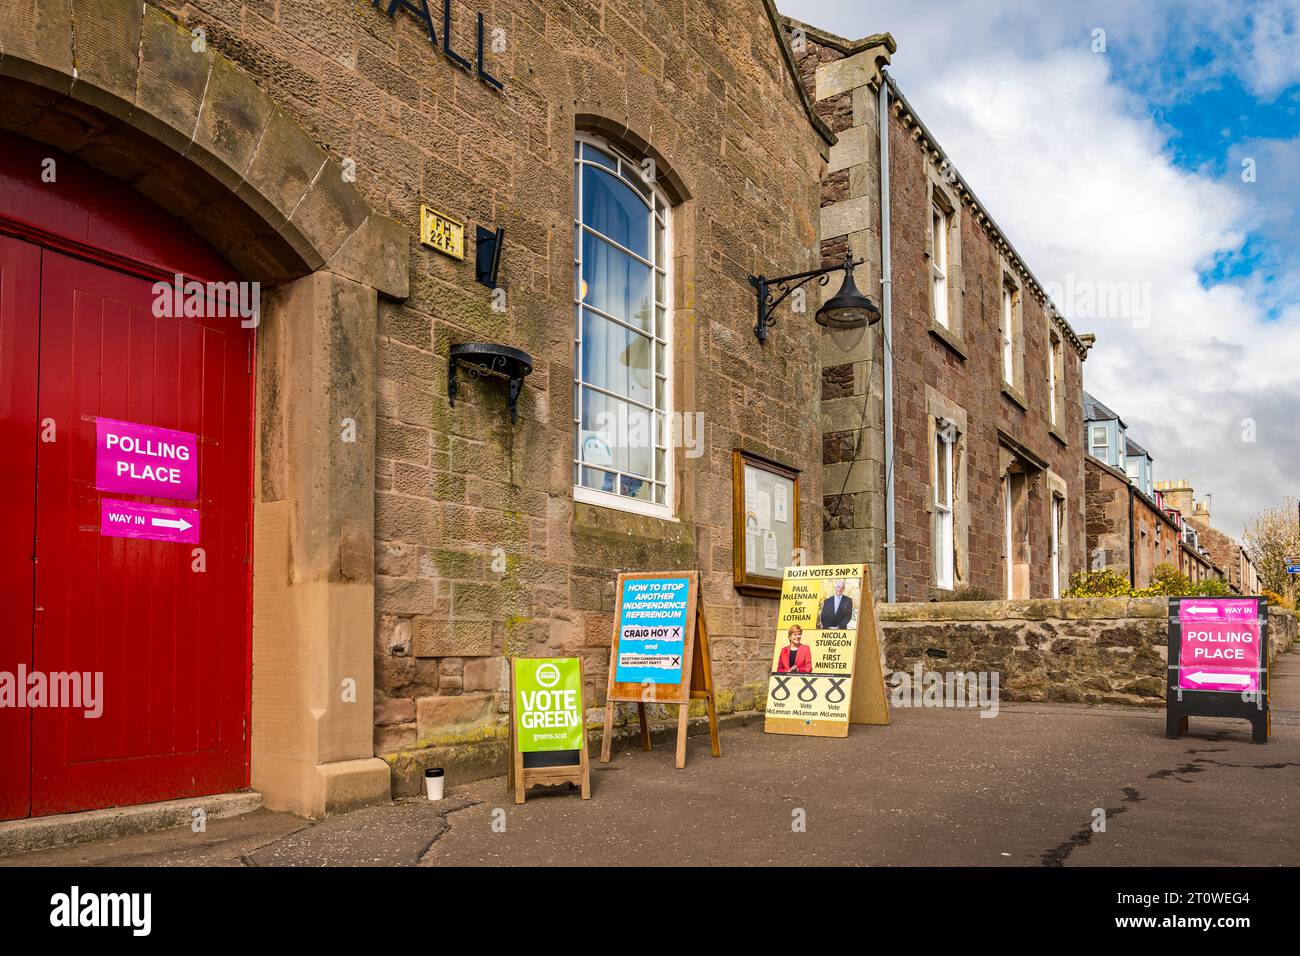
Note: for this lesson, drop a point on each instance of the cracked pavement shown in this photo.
(938, 787)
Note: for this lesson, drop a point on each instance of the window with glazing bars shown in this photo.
(622, 392)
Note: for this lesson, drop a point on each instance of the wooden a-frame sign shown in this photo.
(547, 767)
(824, 696)
(646, 663)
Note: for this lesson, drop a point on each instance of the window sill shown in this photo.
(604, 521)
(949, 338)
(1013, 393)
(614, 502)
(937, 592)
(1058, 436)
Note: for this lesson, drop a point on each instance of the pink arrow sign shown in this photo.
(136, 459)
(1220, 647)
(1218, 609)
(131, 519)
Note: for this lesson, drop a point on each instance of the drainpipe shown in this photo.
(888, 338)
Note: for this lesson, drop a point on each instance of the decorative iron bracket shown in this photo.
(499, 361)
(772, 292)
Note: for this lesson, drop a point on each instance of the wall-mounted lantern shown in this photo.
(497, 361)
(846, 310)
(487, 256)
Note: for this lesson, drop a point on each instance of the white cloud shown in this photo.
(1079, 176)
(1271, 51)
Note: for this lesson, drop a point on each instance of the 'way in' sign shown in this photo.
(134, 519)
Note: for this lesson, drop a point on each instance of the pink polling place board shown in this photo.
(136, 459)
(1220, 648)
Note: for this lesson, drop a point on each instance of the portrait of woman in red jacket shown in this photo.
(795, 656)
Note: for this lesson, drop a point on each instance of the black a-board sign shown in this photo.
(1218, 662)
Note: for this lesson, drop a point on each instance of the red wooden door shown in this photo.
(19, 316)
(165, 624)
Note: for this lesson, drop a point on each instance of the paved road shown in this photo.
(937, 787)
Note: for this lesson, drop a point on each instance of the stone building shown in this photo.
(1133, 533)
(1133, 524)
(1226, 552)
(370, 552)
(963, 436)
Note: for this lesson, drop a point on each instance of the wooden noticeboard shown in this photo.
(825, 672)
(548, 725)
(764, 521)
(659, 654)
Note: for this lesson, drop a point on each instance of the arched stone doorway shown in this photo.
(124, 88)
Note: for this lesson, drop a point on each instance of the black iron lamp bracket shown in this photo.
(773, 291)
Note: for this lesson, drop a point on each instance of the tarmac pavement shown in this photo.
(936, 787)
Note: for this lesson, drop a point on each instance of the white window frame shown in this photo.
(1006, 520)
(1008, 334)
(939, 264)
(581, 492)
(1057, 513)
(945, 438)
(1093, 445)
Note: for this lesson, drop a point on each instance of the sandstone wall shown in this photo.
(480, 551)
(1155, 539)
(1096, 651)
(952, 373)
(1225, 551)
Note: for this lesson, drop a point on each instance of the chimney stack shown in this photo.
(1177, 494)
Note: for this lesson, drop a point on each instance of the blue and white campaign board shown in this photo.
(659, 654)
(652, 630)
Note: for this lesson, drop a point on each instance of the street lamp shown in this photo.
(848, 309)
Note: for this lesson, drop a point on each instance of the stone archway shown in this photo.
(125, 88)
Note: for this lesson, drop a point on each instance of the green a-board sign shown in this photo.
(548, 727)
(548, 704)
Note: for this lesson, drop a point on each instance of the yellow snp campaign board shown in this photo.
(825, 654)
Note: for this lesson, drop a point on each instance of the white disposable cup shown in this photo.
(433, 783)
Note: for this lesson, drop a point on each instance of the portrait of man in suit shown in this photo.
(837, 610)
(795, 656)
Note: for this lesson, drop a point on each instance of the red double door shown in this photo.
(162, 628)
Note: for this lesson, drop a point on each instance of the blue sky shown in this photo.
(1212, 118)
(1123, 166)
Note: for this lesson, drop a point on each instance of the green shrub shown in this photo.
(1166, 581)
(1104, 583)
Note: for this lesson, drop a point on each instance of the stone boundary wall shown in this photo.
(1081, 650)
(1095, 650)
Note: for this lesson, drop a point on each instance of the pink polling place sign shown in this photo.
(136, 459)
(1220, 647)
(133, 519)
